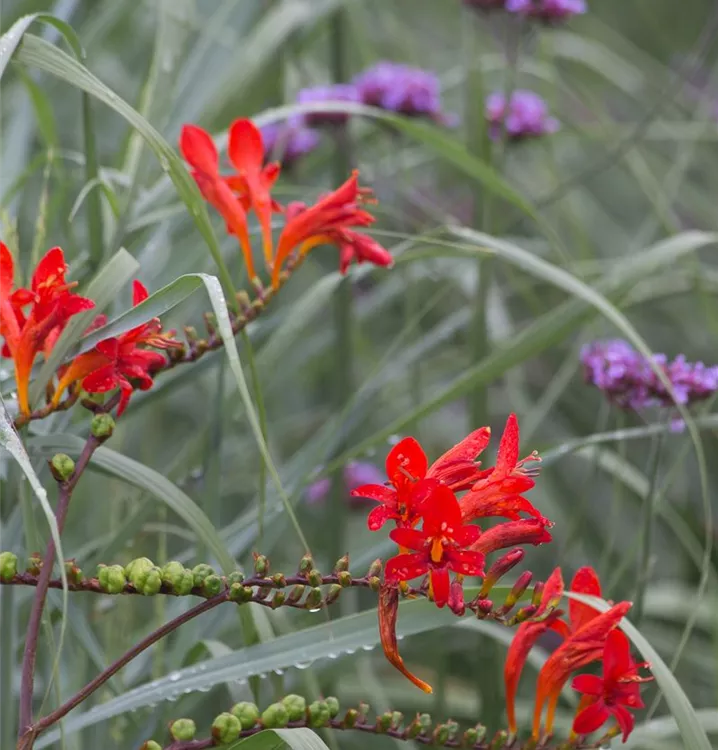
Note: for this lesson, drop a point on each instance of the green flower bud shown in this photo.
(480, 732)
(342, 564)
(102, 425)
(350, 718)
(314, 599)
(247, 713)
(111, 578)
(151, 745)
(500, 739)
(149, 584)
(374, 583)
(278, 599)
(332, 705)
(73, 573)
(177, 577)
(306, 564)
(318, 714)
(261, 565)
(363, 709)
(243, 299)
(453, 728)
(314, 577)
(236, 592)
(345, 578)
(183, 730)
(426, 722)
(190, 333)
(275, 716)
(296, 707)
(374, 569)
(200, 572)
(470, 738)
(226, 728)
(396, 719)
(210, 323)
(212, 585)
(138, 565)
(441, 734)
(333, 594)
(34, 564)
(414, 729)
(8, 566)
(235, 576)
(247, 594)
(279, 580)
(62, 467)
(295, 594)
(383, 722)
(264, 591)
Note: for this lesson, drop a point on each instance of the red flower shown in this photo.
(52, 305)
(328, 222)
(584, 639)
(116, 360)
(407, 464)
(440, 546)
(498, 491)
(613, 694)
(507, 534)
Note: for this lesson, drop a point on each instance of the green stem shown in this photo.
(93, 199)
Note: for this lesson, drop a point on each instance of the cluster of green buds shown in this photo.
(8, 566)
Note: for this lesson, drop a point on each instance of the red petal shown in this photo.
(441, 512)
(466, 535)
(7, 271)
(624, 718)
(584, 582)
(51, 265)
(102, 380)
(465, 562)
(508, 453)
(377, 492)
(590, 684)
(462, 454)
(592, 717)
(109, 347)
(440, 585)
(406, 456)
(409, 538)
(125, 394)
(617, 660)
(245, 148)
(139, 292)
(73, 304)
(378, 517)
(405, 567)
(492, 501)
(511, 533)
(199, 150)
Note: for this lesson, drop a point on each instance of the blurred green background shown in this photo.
(635, 86)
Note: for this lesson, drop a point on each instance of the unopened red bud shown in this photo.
(456, 598)
(345, 578)
(374, 569)
(261, 565)
(296, 593)
(499, 569)
(306, 564)
(485, 607)
(537, 594)
(314, 577)
(525, 613)
(522, 583)
(342, 564)
(278, 599)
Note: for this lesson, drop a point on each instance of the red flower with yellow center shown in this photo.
(440, 546)
(52, 305)
(329, 222)
(116, 361)
(614, 693)
(406, 467)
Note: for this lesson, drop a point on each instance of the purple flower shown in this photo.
(527, 115)
(338, 92)
(401, 88)
(626, 376)
(356, 473)
(547, 10)
(289, 141)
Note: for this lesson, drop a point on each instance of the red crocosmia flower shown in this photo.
(526, 531)
(51, 306)
(328, 222)
(254, 179)
(407, 464)
(200, 153)
(440, 546)
(114, 362)
(613, 694)
(498, 490)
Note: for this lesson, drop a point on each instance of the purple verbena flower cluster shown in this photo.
(337, 92)
(289, 141)
(356, 473)
(547, 10)
(626, 376)
(527, 115)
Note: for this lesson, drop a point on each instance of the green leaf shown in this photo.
(692, 732)
(102, 289)
(43, 56)
(300, 738)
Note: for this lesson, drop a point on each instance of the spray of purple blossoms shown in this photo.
(356, 473)
(289, 141)
(337, 92)
(527, 115)
(626, 376)
(547, 10)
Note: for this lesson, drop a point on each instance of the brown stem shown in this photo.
(33, 628)
(127, 657)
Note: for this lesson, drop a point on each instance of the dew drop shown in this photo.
(174, 676)
(368, 647)
(279, 672)
(317, 609)
(303, 665)
(393, 439)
